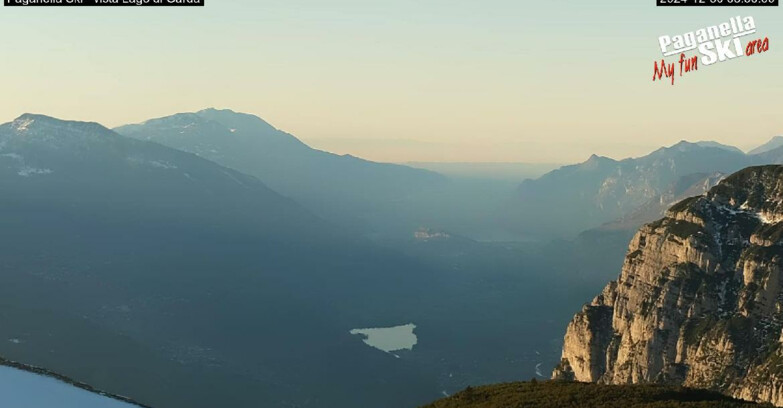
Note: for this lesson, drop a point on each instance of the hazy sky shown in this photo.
(402, 80)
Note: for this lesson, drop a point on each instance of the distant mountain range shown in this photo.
(686, 186)
(488, 171)
(773, 144)
(78, 164)
(378, 198)
(346, 189)
(214, 253)
(140, 269)
(602, 190)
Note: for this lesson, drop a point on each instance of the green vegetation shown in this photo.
(559, 394)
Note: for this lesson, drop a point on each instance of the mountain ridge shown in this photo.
(602, 190)
(772, 144)
(120, 252)
(350, 191)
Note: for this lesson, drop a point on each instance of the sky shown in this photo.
(403, 80)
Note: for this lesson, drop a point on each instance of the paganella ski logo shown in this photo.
(711, 44)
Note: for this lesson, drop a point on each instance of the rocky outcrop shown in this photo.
(699, 301)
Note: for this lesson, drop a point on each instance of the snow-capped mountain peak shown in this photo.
(22, 123)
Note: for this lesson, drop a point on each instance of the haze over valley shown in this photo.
(212, 252)
(390, 204)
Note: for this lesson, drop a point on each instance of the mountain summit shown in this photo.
(119, 253)
(79, 162)
(774, 143)
(699, 301)
(342, 188)
(46, 129)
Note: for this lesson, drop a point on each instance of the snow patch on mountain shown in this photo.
(766, 217)
(13, 156)
(158, 164)
(162, 164)
(27, 171)
(23, 124)
(19, 388)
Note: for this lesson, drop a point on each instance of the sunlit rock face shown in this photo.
(699, 300)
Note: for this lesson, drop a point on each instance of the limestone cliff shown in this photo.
(699, 301)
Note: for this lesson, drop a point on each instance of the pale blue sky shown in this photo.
(400, 80)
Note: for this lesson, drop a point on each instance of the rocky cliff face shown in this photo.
(699, 301)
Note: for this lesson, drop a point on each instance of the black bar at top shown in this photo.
(717, 3)
(103, 3)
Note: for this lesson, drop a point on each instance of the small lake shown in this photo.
(389, 339)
